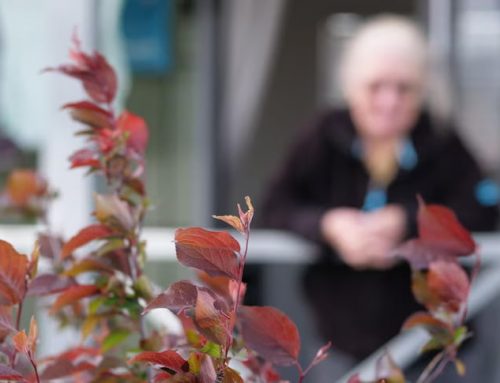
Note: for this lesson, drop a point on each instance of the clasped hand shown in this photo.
(364, 239)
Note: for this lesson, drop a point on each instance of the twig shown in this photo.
(302, 373)
(430, 367)
(34, 366)
(473, 277)
(439, 369)
(238, 291)
(19, 313)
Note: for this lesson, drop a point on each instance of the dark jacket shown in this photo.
(360, 310)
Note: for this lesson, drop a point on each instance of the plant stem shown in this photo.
(34, 367)
(240, 273)
(238, 291)
(428, 370)
(133, 265)
(475, 272)
(436, 365)
(302, 373)
(439, 369)
(18, 325)
(19, 313)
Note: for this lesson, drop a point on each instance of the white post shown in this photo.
(71, 210)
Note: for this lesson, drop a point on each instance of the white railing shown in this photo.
(265, 245)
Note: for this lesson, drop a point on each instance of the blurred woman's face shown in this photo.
(386, 96)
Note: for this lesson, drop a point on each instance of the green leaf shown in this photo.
(212, 349)
(460, 335)
(194, 362)
(143, 288)
(114, 338)
(433, 344)
(133, 307)
(194, 338)
(95, 304)
(110, 245)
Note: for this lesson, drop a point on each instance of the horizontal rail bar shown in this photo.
(266, 246)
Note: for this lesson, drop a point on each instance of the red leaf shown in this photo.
(110, 209)
(62, 367)
(33, 335)
(439, 225)
(136, 129)
(210, 251)
(231, 376)
(13, 269)
(73, 294)
(24, 184)
(90, 114)
(212, 318)
(6, 325)
(8, 373)
(169, 359)
(421, 292)
(420, 254)
(97, 76)
(79, 353)
(207, 370)
(106, 140)
(224, 286)
(85, 157)
(162, 377)
(426, 320)
(241, 224)
(86, 235)
(271, 333)
(137, 185)
(449, 282)
(246, 217)
(232, 221)
(321, 354)
(21, 342)
(270, 374)
(50, 245)
(178, 296)
(185, 377)
(46, 284)
(263, 369)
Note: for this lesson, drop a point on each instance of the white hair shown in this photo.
(379, 37)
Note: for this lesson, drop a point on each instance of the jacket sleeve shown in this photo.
(460, 181)
(290, 202)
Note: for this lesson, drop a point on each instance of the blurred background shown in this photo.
(224, 86)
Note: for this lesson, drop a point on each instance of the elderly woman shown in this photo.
(350, 184)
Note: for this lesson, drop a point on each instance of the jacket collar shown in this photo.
(341, 133)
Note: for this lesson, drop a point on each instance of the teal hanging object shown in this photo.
(487, 192)
(147, 27)
(408, 157)
(376, 198)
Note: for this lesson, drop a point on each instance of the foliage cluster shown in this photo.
(98, 286)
